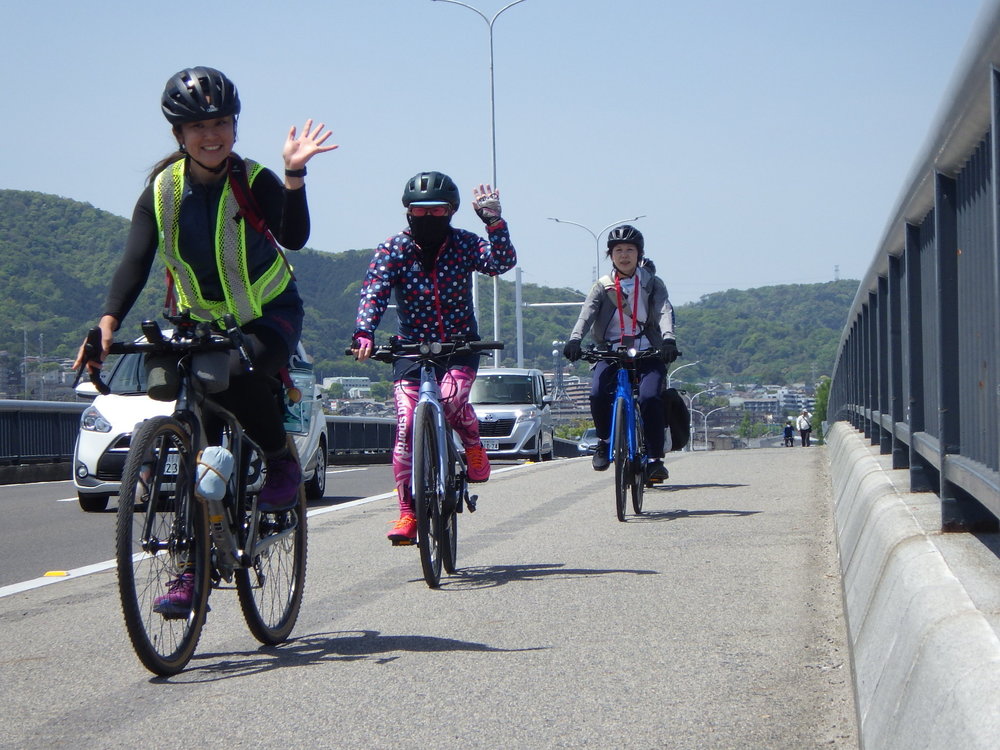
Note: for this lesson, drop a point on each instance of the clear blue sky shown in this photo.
(765, 142)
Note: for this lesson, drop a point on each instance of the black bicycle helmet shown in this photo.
(199, 93)
(431, 187)
(625, 233)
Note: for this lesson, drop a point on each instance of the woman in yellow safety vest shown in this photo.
(216, 220)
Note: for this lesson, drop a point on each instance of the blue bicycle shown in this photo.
(627, 448)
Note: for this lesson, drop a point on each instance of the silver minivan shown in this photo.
(514, 412)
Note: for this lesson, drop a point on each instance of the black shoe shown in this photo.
(656, 472)
(601, 461)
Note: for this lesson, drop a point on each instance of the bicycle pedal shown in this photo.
(403, 542)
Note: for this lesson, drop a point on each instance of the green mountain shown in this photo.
(57, 257)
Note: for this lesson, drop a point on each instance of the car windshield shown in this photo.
(502, 389)
(128, 375)
(590, 434)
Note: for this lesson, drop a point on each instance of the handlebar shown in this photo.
(189, 337)
(622, 354)
(431, 350)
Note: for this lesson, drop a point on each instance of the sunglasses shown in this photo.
(430, 210)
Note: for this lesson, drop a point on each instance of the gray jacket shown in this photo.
(600, 307)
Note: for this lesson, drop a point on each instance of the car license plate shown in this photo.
(170, 465)
(491, 445)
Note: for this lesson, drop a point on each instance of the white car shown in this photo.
(106, 427)
(515, 419)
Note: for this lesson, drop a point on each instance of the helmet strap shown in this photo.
(214, 170)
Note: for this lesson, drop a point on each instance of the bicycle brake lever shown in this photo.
(239, 341)
(91, 352)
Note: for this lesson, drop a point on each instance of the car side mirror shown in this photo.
(86, 391)
(548, 398)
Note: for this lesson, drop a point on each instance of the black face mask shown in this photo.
(429, 232)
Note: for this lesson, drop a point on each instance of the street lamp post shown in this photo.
(596, 236)
(671, 373)
(493, 143)
(692, 409)
(705, 418)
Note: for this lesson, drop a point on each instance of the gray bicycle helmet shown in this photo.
(431, 187)
(625, 233)
(199, 93)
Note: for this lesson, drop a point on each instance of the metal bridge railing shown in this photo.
(45, 432)
(917, 369)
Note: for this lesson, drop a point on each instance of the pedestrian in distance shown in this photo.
(429, 266)
(789, 433)
(804, 425)
(629, 307)
(192, 195)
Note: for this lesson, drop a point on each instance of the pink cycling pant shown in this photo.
(455, 387)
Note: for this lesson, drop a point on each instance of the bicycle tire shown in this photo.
(427, 493)
(162, 531)
(270, 591)
(623, 467)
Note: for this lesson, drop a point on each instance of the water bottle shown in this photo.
(215, 466)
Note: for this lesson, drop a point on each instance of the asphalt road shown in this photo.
(713, 621)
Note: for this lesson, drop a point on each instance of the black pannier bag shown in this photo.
(677, 418)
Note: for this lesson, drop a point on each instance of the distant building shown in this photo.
(355, 386)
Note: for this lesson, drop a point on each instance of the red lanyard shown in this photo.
(635, 305)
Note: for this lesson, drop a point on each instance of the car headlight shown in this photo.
(526, 416)
(94, 421)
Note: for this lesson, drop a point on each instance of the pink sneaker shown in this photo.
(404, 531)
(476, 463)
(177, 601)
(281, 485)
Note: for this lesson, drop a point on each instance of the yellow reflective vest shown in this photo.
(243, 298)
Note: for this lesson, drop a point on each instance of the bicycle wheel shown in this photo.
(623, 467)
(162, 533)
(270, 590)
(427, 494)
(638, 466)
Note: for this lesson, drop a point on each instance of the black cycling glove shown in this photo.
(668, 351)
(572, 350)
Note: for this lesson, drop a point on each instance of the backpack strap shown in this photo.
(606, 281)
(250, 211)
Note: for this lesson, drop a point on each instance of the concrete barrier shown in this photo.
(922, 609)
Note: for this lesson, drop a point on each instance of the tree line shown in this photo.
(57, 257)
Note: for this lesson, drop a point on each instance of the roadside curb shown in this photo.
(40, 472)
(926, 659)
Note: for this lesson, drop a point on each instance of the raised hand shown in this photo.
(301, 148)
(486, 203)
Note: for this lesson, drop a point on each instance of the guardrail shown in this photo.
(917, 369)
(43, 432)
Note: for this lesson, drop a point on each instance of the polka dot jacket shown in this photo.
(432, 305)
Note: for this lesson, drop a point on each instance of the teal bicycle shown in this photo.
(627, 448)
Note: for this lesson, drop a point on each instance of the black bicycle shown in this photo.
(439, 484)
(166, 530)
(627, 448)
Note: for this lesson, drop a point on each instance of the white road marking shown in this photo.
(34, 583)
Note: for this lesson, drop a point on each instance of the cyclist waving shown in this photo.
(430, 267)
(629, 307)
(192, 196)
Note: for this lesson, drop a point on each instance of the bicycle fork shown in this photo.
(430, 394)
(624, 391)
